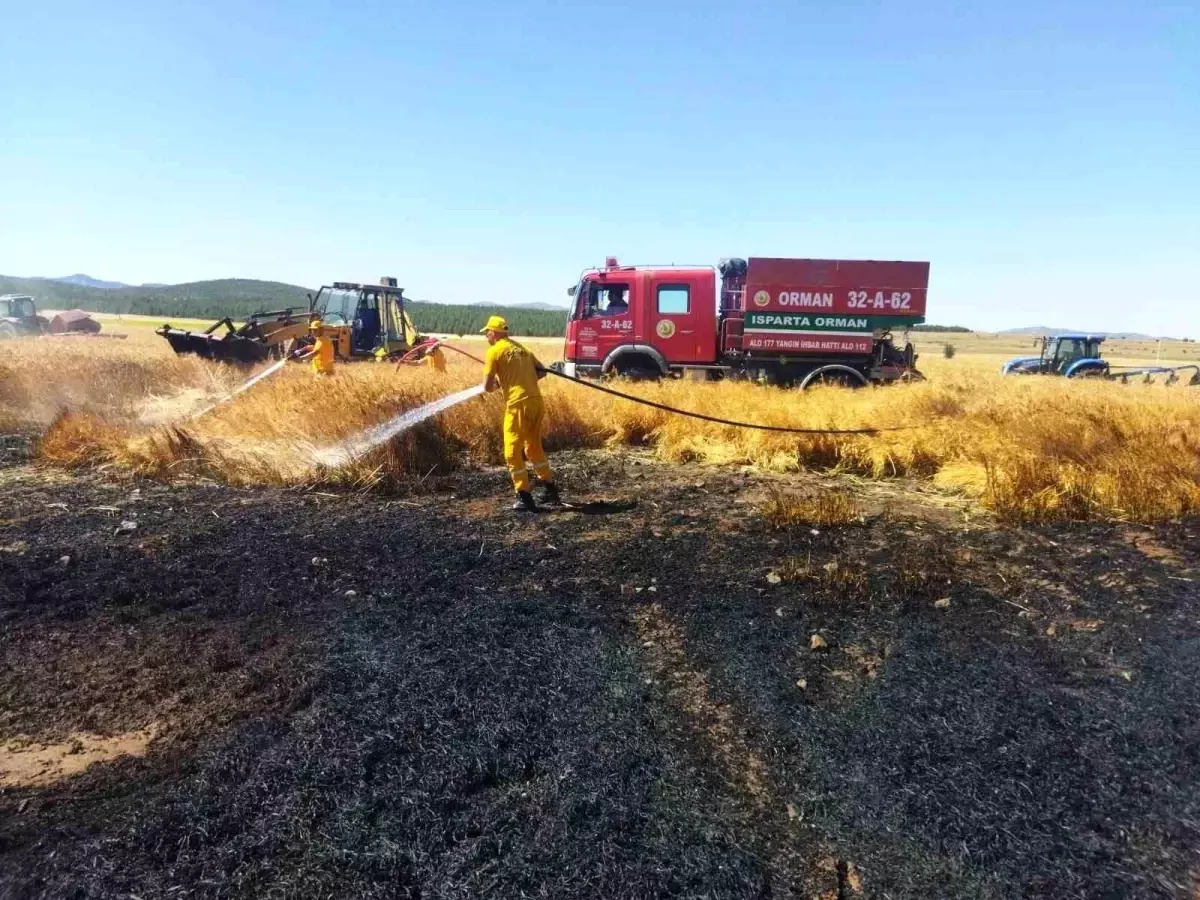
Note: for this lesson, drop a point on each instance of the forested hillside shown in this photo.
(445, 318)
(201, 299)
(239, 297)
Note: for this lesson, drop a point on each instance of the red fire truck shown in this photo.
(785, 321)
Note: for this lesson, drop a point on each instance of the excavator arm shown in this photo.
(261, 337)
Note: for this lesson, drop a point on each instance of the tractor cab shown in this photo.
(363, 319)
(18, 316)
(1061, 352)
(1072, 355)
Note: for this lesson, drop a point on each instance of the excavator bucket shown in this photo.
(263, 336)
(229, 347)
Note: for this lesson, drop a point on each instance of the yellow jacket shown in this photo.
(435, 359)
(516, 370)
(322, 359)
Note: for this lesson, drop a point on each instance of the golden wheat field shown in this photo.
(1030, 449)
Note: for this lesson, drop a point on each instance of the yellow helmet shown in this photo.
(315, 324)
(495, 323)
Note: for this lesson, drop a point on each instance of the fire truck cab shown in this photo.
(642, 322)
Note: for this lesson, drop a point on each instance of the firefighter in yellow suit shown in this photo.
(435, 359)
(516, 371)
(322, 350)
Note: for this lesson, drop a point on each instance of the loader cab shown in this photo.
(641, 321)
(364, 318)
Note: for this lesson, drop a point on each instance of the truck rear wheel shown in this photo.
(834, 376)
(833, 379)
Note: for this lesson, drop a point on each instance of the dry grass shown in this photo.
(120, 380)
(837, 582)
(826, 509)
(1029, 448)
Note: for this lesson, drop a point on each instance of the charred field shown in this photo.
(734, 688)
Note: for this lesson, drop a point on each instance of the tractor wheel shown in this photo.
(7, 330)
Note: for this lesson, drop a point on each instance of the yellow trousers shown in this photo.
(523, 425)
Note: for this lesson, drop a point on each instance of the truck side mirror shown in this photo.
(571, 291)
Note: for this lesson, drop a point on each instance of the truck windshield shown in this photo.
(608, 298)
(579, 309)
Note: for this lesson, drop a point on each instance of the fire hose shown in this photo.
(633, 398)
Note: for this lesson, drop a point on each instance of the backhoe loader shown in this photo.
(364, 321)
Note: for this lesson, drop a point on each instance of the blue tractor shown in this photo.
(1072, 355)
(1078, 356)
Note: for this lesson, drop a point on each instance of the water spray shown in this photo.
(356, 446)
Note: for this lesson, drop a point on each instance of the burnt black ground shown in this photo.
(593, 705)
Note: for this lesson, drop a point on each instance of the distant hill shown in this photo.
(538, 304)
(1041, 330)
(201, 299)
(239, 297)
(89, 281)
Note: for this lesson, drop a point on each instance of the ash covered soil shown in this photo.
(303, 694)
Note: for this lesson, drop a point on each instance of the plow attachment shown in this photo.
(262, 337)
(1174, 374)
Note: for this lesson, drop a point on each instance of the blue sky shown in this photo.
(1044, 156)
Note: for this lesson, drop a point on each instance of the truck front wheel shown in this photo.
(636, 368)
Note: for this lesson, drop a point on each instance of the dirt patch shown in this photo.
(25, 763)
(666, 657)
(1146, 542)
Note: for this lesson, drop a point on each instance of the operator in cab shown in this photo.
(515, 370)
(617, 306)
(322, 350)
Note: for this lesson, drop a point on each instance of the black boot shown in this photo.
(524, 502)
(548, 494)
